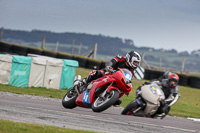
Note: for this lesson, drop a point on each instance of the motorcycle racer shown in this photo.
(130, 61)
(169, 82)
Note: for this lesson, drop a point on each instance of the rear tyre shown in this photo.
(69, 100)
(102, 103)
(128, 110)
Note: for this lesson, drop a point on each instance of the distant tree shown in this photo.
(184, 53)
(172, 51)
(129, 42)
(145, 48)
(196, 53)
(151, 58)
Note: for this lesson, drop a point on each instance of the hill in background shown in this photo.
(107, 47)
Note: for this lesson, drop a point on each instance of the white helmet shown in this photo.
(133, 59)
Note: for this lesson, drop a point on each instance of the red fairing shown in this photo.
(79, 101)
(115, 81)
(120, 86)
(97, 83)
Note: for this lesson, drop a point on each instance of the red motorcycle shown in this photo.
(101, 93)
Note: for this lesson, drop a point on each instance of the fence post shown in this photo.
(95, 51)
(160, 63)
(43, 42)
(79, 51)
(183, 64)
(73, 46)
(57, 44)
(1, 36)
(142, 59)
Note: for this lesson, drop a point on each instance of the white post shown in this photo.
(183, 64)
(79, 51)
(57, 44)
(142, 59)
(73, 46)
(1, 36)
(95, 51)
(160, 63)
(43, 42)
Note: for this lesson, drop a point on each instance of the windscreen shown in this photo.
(157, 90)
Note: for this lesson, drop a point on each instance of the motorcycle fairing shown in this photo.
(86, 97)
(153, 89)
(79, 101)
(148, 95)
(127, 76)
(98, 83)
(112, 88)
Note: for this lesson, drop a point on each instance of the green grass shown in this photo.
(19, 127)
(53, 93)
(189, 103)
(187, 106)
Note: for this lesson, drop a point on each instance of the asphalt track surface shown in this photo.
(48, 111)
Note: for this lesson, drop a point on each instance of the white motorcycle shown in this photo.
(147, 102)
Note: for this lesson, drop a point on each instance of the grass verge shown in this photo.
(19, 127)
(187, 106)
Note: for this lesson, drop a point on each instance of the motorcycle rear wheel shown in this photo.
(69, 100)
(101, 104)
(128, 110)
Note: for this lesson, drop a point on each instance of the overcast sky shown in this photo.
(153, 23)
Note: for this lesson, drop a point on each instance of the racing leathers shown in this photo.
(171, 95)
(115, 63)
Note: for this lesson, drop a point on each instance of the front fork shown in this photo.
(77, 79)
(76, 89)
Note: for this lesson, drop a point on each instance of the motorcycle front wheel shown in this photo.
(129, 109)
(69, 100)
(102, 103)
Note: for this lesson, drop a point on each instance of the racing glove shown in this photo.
(109, 69)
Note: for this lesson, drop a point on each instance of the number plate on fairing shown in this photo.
(86, 96)
(153, 89)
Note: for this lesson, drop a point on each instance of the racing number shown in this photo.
(85, 97)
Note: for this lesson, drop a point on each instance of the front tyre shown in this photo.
(128, 110)
(104, 102)
(69, 100)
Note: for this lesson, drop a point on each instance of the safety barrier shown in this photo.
(34, 51)
(89, 63)
(24, 50)
(19, 50)
(194, 82)
(37, 71)
(5, 47)
(184, 80)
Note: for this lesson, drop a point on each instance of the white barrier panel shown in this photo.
(139, 73)
(53, 73)
(37, 72)
(5, 68)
